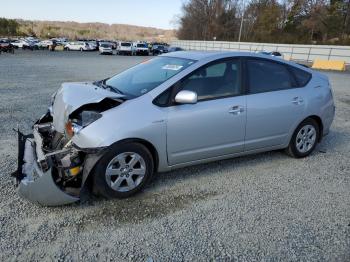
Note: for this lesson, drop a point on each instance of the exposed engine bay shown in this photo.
(51, 169)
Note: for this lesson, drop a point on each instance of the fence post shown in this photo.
(308, 55)
(291, 55)
(330, 52)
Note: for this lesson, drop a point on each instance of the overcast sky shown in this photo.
(155, 13)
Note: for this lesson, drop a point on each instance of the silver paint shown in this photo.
(190, 133)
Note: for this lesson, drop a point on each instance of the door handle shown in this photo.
(236, 110)
(297, 100)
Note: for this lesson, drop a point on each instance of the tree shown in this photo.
(205, 19)
(8, 27)
(278, 21)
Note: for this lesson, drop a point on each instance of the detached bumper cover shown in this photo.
(34, 184)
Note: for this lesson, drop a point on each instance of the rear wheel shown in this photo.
(123, 171)
(304, 139)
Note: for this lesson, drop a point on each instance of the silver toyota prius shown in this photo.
(175, 110)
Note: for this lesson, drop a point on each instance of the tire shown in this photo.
(111, 172)
(304, 139)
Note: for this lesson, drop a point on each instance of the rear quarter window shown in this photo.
(302, 77)
(267, 76)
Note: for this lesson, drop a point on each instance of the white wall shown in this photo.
(293, 52)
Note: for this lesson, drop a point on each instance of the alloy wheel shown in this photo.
(125, 172)
(306, 138)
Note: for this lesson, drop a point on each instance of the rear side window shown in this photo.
(302, 77)
(267, 76)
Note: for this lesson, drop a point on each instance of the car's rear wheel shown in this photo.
(304, 139)
(123, 171)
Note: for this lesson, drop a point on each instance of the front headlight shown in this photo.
(83, 119)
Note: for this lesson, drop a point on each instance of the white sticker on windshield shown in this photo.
(172, 67)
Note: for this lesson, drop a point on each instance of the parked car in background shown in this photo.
(176, 110)
(45, 44)
(158, 50)
(141, 49)
(125, 48)
(24, 44)
(105, 48)
(114, 44)
(5, 46)
(174, 49)
(93, 45)
(60, 41)
(78, 46)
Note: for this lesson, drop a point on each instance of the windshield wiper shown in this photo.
(102, 84)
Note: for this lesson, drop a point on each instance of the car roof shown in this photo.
(214, 55)
(204, 55)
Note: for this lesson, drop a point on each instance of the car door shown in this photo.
(215, 125)
(274, 103)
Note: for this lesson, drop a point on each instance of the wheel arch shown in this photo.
(145, 143)
(92, 160)
(320, 125)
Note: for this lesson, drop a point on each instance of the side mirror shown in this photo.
(186, 97)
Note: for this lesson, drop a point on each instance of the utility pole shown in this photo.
(242, 20)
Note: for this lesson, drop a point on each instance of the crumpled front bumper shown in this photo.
(33, 183)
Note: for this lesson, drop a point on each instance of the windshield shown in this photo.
(142, 45)
(125, 44)
(105, 45)
(146, 76)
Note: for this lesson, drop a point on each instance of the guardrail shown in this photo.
(307, 53)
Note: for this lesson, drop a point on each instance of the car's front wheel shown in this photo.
(123, 171)
(304, 139)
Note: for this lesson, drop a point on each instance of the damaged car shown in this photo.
(176, 110)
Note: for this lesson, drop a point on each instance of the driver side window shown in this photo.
(215, 80)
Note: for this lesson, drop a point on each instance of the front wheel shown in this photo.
(123, 171)
(304, 139)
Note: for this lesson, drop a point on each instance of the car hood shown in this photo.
(71, 96)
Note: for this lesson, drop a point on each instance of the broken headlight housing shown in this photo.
(81, 120)
(52, 101)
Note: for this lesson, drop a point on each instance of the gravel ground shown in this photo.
(262, 207)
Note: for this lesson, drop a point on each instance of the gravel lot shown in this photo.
(262, 207)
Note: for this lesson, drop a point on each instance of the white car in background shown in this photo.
(21, 43)
(78, 46)
(141, 49)
(105, 48)
(125, 48)
(44, 44)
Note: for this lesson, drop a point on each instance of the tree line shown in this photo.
(270, 21)
(8, 27)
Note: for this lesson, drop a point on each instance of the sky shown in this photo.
(154, 13)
